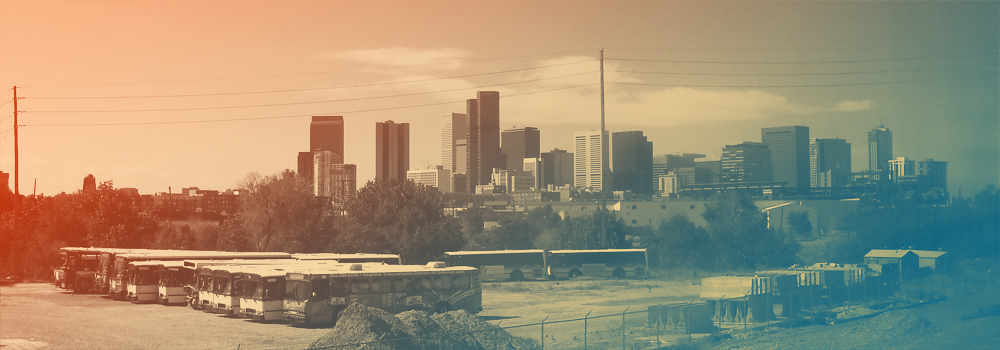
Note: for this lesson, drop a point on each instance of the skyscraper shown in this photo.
(632, 162)
(392, 150)
(483, 138)
(746, 163)
(588, 166)
(879, 153)
(453, 128)
(327, 133)
(829, 162)
(789, 154)
(662, 165)
(557, 168)
(518, 144)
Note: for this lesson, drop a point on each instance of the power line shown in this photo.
(806, 74)
(306, 89)
(309, 73)
(807, 86)
(307, 102)
(799, 49)
(304, 115)
(801, 62)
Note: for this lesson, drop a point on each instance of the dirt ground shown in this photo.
(41, 316)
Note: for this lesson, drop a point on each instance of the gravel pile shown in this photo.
(415, 330)
(891, 326)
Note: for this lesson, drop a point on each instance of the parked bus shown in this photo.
(502, 265)
(116, 288)
(106, 266)
(201, 291)
(390, 259)
(142, 279)
(77, 268)
(613, 263)
(318, 296)
(262, 289)
(171, 281)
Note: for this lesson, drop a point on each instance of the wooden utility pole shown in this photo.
(604, 165)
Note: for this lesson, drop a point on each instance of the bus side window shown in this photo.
(338, 288)
(399, 284)
(380, 286)
(321, 289)
(442, 282)
(426, 281)
(462, 281)
(360, 286)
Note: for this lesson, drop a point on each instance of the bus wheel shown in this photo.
(442, 307)
(575, 273)
(618, 274)
(82, 286)
(516, 276)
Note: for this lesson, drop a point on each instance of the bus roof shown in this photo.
(294, 265)
(484, 252)
(381, 270)
(335, 256)
(574, 251)
(203, 255)
(198, 263)
(156, 263)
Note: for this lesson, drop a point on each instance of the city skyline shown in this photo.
(209, 104)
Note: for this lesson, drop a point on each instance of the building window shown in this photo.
(583, 208)
(663, 206)
(692, 206)
(634, 221)
(635, 207)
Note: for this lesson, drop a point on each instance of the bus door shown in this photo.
(318, 308)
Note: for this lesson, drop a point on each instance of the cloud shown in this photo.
(854, 106)
(444, 58)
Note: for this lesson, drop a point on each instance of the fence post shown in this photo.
(543, 332)
(721, 316)
(657, 325)
(585, 329)
(623, 326)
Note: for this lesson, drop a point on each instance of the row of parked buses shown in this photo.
(314, 288)
(539, 264)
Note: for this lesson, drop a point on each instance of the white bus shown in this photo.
(142, 279)
(262, 288)
(607, 263)
(390, 259)
(116, 287)
(318, 296)
(202, 291)
(502, 265)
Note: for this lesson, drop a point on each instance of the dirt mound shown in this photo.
(891, 327)
(415, 330)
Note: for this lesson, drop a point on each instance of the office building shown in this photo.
(519, 143)
(589, 152)
(332, 178)
(879, 153)
(327, 133)
(439, 178)
(557, 168)
(829, 162)
(663, 165)
(483, 138)
(789, 147)
(453, 129)
(707, 171)
(535, 166)
(632, 162)
(746, 163)
(392, 150)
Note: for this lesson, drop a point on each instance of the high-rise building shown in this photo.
(789, 147)
(327, 133)
(588, 166)
(632, 162)
(536, 167)
(662, 165)
(89, 183)
(305, 165)
(439, 178)
(557, 168)
(707, 171)
(453, 129)
(332, 178)
(829, 162)
(879, 153)
(936, 173)
(483, 138)
(746, 163)
(517, 144)
(392, 150)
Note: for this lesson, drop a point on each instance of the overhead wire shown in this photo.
(805, 74)
(803, 86)
(798, 62)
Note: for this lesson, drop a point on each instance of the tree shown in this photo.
(600, 230)
(799, 222)
(517, 232)
(679, 243)
(114, 219)
(740, 236)
(274, 210)
(402, 217)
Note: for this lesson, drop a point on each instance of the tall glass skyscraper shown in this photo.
(789, 154)
(879, 153)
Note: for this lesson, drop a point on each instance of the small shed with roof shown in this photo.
(906, 259)
(934, 259)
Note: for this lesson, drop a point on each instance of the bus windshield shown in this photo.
(273, 289)
(249, 289)
(297, 290)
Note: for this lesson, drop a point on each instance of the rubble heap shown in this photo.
(415, 330)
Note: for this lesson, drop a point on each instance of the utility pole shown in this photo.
(17, 191)
(604, 165)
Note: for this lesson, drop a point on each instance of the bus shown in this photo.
(142, 279)
(390, 259)
(201, 291)
(318, 296)
(613, 263)
(116, 287)
(171, 283)
(502, 265)
(106, 266)
(77, 268)
(262, 288)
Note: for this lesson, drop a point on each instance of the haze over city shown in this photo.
(154, 95)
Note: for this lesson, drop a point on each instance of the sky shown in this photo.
(159, 95)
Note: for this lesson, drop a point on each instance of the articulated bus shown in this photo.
(614, 263)
(116, 288)
(262, 288)
(502, 265)
(390, 259)
(142, 279)
(318, 296)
